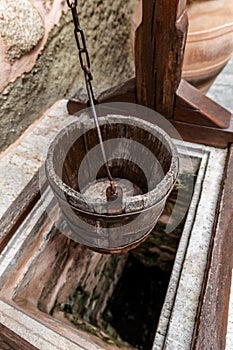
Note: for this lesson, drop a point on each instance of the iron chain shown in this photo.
(85, 65)
(80, 40)
(73, 3)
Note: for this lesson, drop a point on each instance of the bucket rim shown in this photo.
(131, 204)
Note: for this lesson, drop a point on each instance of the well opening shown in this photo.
(135, 306)
(115, 299)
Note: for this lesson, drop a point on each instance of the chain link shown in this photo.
(85, 65)
(80, 41)
(73, 3)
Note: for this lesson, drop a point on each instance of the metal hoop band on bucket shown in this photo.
(70, 168)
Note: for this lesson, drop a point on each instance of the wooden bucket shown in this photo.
(137, 151)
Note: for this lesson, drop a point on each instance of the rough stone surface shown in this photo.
(178, 316)
(24, 159)
(57, 71)
(50, 14)
(21, 27)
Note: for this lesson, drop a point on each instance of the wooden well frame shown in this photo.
(158, 85)
(198, 119)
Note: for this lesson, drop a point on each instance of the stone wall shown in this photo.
(39, 61)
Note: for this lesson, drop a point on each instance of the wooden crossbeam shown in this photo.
(205, 132)
(193, 107)
(160, 44)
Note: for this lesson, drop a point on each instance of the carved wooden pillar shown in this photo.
(160, 43)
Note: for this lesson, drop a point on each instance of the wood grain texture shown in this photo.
(188, 129)
(125, 92)
(4, 345)
(212, 319)
(19, 209)
(215, 137)
(209, 22)
(194, 107)
(160, 41)
(11, 341)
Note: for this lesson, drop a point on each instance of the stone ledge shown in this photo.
(24, 157)
(180, 306)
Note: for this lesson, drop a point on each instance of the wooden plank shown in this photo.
(19, 209)
(125, 92)
(215, 137)
(211, 326)
(9, 340)
(160, 42)
(189, 131)
(4, 345)
(194, 107)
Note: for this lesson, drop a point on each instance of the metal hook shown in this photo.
(72, 4)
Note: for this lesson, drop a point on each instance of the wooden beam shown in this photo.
(189, 131)
(195, 108)
(125, 92)
(19, 209)
(215, 137)
(160, 42)
(12, 341)
(212, 319)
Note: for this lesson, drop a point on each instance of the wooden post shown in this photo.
(159, 51)
(160, 43)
